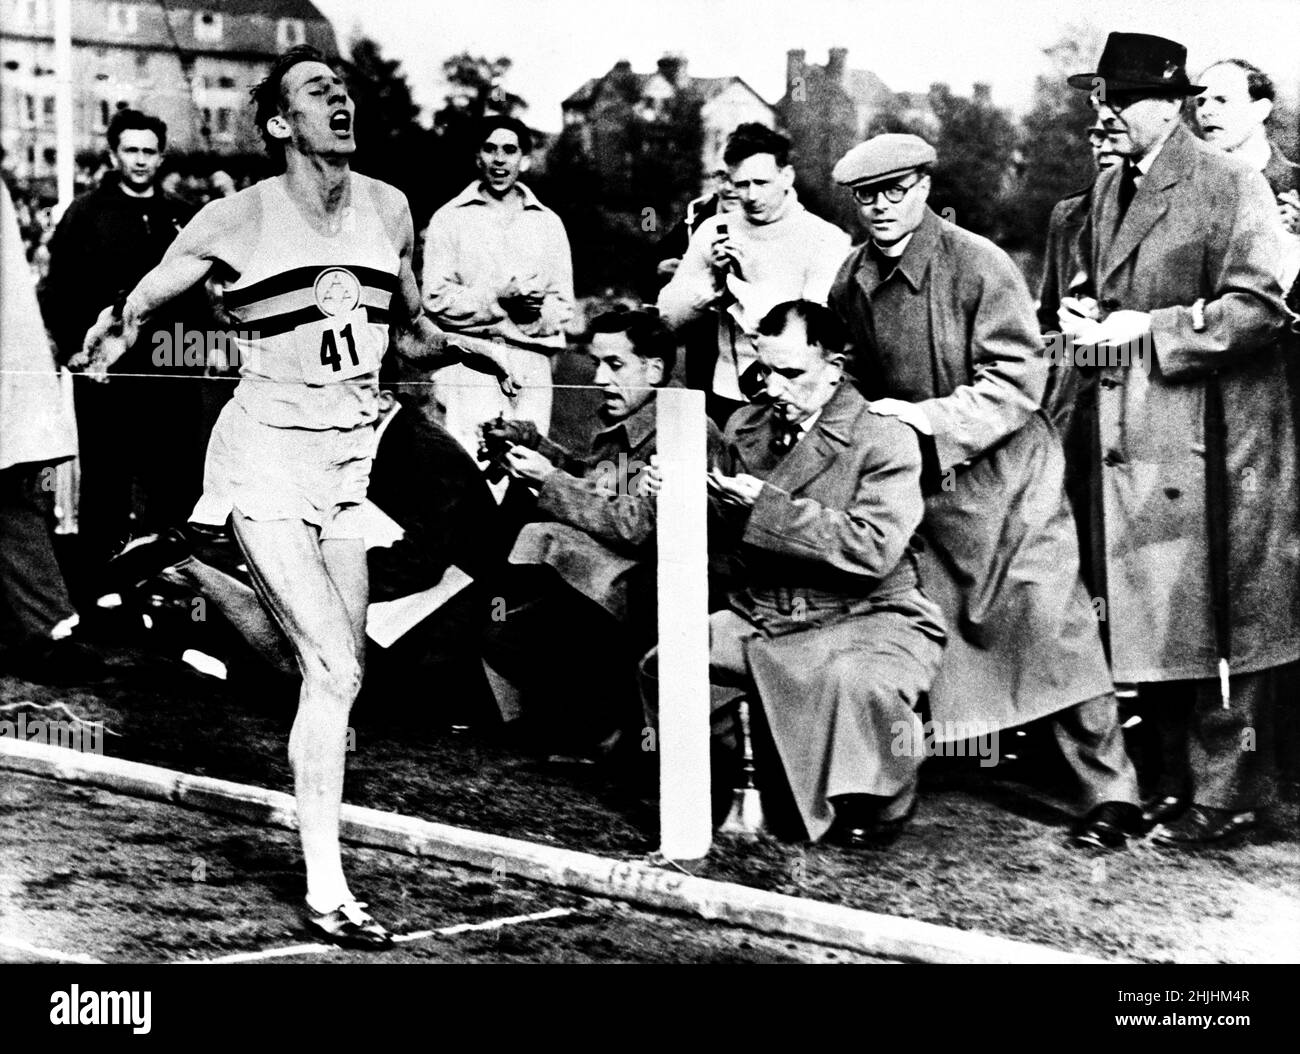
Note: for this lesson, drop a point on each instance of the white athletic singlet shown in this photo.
(311, 313)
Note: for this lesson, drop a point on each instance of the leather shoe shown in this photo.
(1108, 826)
(1203, 825)
(858, 830)
(1163, 808)
(146, 557)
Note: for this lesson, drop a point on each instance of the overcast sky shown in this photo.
(558, 44)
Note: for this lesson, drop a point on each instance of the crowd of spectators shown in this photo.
(915, 509)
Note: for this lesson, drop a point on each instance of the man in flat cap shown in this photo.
(1194, 464)
(947, 340)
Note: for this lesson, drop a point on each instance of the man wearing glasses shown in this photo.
(946, 340)
(1193, 468)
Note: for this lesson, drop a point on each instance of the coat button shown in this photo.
(1112, 458)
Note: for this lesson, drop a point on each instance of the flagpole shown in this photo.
(65, 161)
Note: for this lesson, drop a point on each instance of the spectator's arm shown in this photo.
(1010, 372)
(693, 289)
(868, 537)
(1245, 311)
(624, 521)
(447, 297)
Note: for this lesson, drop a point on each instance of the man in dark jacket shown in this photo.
(584, 569)
(945, 337)
(830, 632)
(1195, 460)
(130, 430)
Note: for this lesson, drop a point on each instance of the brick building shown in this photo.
(601, 108)
(191, 62)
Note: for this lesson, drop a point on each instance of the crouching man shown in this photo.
(829, 633)
(581, 580)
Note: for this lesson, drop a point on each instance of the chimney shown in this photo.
(794, 67)
(673, 69)
(835, 66)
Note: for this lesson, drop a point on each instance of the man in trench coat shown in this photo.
(828, 629)
(1183, 254)
(946, 338)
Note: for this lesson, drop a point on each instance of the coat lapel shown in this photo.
(817, 451)
(1149, 203)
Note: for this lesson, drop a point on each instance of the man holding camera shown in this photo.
(741, 264)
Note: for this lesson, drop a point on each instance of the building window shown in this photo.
(207, 26)
(225, 82)
(122, 18)
(223, 121)
(290, 31)
(142, 60)
(103, 114)
(47, 116)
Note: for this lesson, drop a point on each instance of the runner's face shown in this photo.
(137, 158)
(500, 160)
(318, 109)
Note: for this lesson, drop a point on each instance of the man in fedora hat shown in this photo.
(1193, 467)
(947, 340)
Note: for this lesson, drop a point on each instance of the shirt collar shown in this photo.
(473, 195)
(636, 428)
(921, 244)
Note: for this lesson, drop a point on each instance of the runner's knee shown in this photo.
(334, 674)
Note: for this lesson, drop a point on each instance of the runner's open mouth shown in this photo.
(341, 121)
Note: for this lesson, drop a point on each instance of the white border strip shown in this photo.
(17, 944)
(639, 883)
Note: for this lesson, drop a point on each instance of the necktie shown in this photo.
(784, 436)
(1127, 187)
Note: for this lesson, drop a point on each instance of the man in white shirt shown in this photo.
(742, 264)
(497, 264)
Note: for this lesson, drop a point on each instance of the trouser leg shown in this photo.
(1231, 751)
(31, 583)
(1092, 742)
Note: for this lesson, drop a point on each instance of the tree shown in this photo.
(394, 145)
(474, 90)
(976, 143)
(1055, 160)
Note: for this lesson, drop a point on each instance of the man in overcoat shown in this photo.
(945, 337)
(1196, 458)
(827, 628)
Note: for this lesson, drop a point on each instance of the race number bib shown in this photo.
(337, 348)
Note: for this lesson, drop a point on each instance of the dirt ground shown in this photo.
(129, 881)
(984, 853)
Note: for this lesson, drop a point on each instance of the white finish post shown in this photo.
(685, 814)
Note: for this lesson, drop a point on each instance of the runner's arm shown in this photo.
(186, 262)
(417, 338)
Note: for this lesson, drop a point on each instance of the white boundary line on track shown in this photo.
(632, 880)
(418, 935)
(49, 953)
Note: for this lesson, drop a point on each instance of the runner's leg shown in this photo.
(288, 564)
(242, 609)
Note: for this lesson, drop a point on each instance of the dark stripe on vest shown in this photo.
(274, 325)
(305, 278)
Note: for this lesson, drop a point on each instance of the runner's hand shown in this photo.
(106, 341)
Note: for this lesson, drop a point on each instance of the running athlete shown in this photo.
(315, 268)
